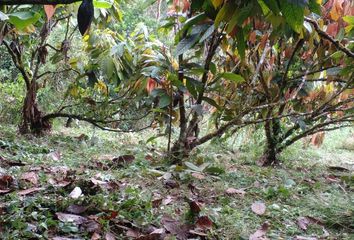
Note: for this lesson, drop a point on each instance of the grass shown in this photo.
(140, 194)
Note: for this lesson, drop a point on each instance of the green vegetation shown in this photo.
(183, 119)
(306, 185)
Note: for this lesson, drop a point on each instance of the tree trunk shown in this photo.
(32, 121)
(270, 156)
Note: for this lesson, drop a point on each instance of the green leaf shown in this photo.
(214, 170)
(294, 14)
(22, 20)
(315, 7)
(197, 5)
(108, 66)
(193, 21)
(186, 44)
(191, 87)
(3, 16)
(225, 13)
(239, 16)
(217, 3)
(153, 138)
(232, 77)
(273, 6)
(213, 68)
(193, 167)
(241, 44)
(164, 101)
(103, 3)
(207, 33)
(211, 102)
(349, 19)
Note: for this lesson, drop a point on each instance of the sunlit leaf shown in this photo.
(23, 19)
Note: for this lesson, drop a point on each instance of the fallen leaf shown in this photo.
(156, 202)
(5, 181)
(167, 200)
(204, 222)
(151, 236)
(260, 233)
(76, 209)
(7, 163)
(195, 207)
(132, 233)
(63, 238)
(95, 236)
(332, 179)
(91, 226)
(123, 160)
(54, 155)
(338, 168)
(31, 177)
(5, 191)
(198, 176)
(29, 191)
(113, 215)
(109, 236)
(175, 227)
(233, 191)
(305, 238)
(258, 208)
(171, 183)
(303, 222)
(158, 231)
(58, 183)
(75, 193)
(198, 233)
(76, 219)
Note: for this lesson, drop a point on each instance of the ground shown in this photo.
(81, 183)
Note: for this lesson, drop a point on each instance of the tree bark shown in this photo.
(270, 156)
(40, 2)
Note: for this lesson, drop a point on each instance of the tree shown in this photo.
(236, 59)
(25, 34)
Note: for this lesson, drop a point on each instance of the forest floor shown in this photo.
(76, 183)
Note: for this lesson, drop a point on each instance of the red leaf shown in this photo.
(195, 207)
(150, 85)
(49, 11)
(5, 181)
(113, 215)
(332, 29)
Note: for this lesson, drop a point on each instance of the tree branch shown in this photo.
(329, 38)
